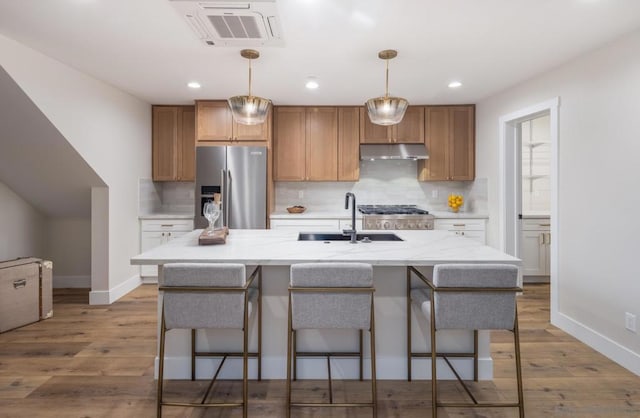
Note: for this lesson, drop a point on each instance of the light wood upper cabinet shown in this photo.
(348, 144)
(322, 143)
(450, 141)
(289, 144)
(306, 144)
(260, 132)
(409, 131)
(187, 145)
(462, 143)
(173, 143)
(437, 142)
(370, 133)
(216, 124)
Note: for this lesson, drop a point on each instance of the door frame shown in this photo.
(510, 166)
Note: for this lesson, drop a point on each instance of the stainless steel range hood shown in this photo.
(393, 152)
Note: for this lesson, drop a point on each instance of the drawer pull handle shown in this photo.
(167, 226)
(544, 224)
(459, 224)
(19, 283)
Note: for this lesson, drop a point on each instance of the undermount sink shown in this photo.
(362, 237)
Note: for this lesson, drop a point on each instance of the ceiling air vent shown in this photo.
(232, 23)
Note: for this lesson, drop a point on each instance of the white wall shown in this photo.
(599, 145)
(22, 228)
(111, 130)
(69, 246)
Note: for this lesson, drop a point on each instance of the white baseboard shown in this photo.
(601, 343)
(149, 279)
(66, 282)
(107, 297)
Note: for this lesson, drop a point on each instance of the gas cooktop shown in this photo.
(391, 210)
(395, 217)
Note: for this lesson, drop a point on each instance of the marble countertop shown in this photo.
(281, 247)
(319, 214)
(443, 214)
(315, 214)
(163, 215)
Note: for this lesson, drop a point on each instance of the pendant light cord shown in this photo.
(386, 91)
(249, 77)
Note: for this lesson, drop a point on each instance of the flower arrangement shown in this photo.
(455, 201)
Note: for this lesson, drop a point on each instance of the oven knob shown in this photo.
(419, 225)
(387, 225)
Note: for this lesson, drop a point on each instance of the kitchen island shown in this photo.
(276, 250)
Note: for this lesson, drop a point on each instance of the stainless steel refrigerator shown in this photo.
(239, 174)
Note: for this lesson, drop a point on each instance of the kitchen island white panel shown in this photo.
(276, 250)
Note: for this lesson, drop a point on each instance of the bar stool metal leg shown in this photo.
(289, 343)
(161, 366)
(372, 335)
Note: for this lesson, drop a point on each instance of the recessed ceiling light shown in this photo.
(193, 85)
(312, 84)
(455, 84)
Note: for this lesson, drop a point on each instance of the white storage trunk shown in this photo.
(25, 292)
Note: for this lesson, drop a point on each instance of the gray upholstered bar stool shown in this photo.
(470, 297)
(331, 295)
(210, 296)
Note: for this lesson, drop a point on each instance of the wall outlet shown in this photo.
(300, 194)
(630, 321)
(434, 193)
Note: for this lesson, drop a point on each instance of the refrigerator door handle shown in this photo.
(228, 188)
(223, 193)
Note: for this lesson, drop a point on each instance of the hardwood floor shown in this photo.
(90, 361)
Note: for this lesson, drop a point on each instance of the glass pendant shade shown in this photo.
(249, 109)
(386, 110)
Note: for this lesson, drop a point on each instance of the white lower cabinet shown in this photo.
(314, 224)
(470, 228)
(155, 232)
(535, 247)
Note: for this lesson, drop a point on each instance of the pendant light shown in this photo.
(249, 110)
(386, 110)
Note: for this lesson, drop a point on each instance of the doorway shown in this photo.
(534, 244)
(512, 185)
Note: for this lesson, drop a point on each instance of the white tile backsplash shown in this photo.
(166, 197)
(149, 196)
(382, 182)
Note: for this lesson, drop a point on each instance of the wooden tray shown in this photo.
(218, 237)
